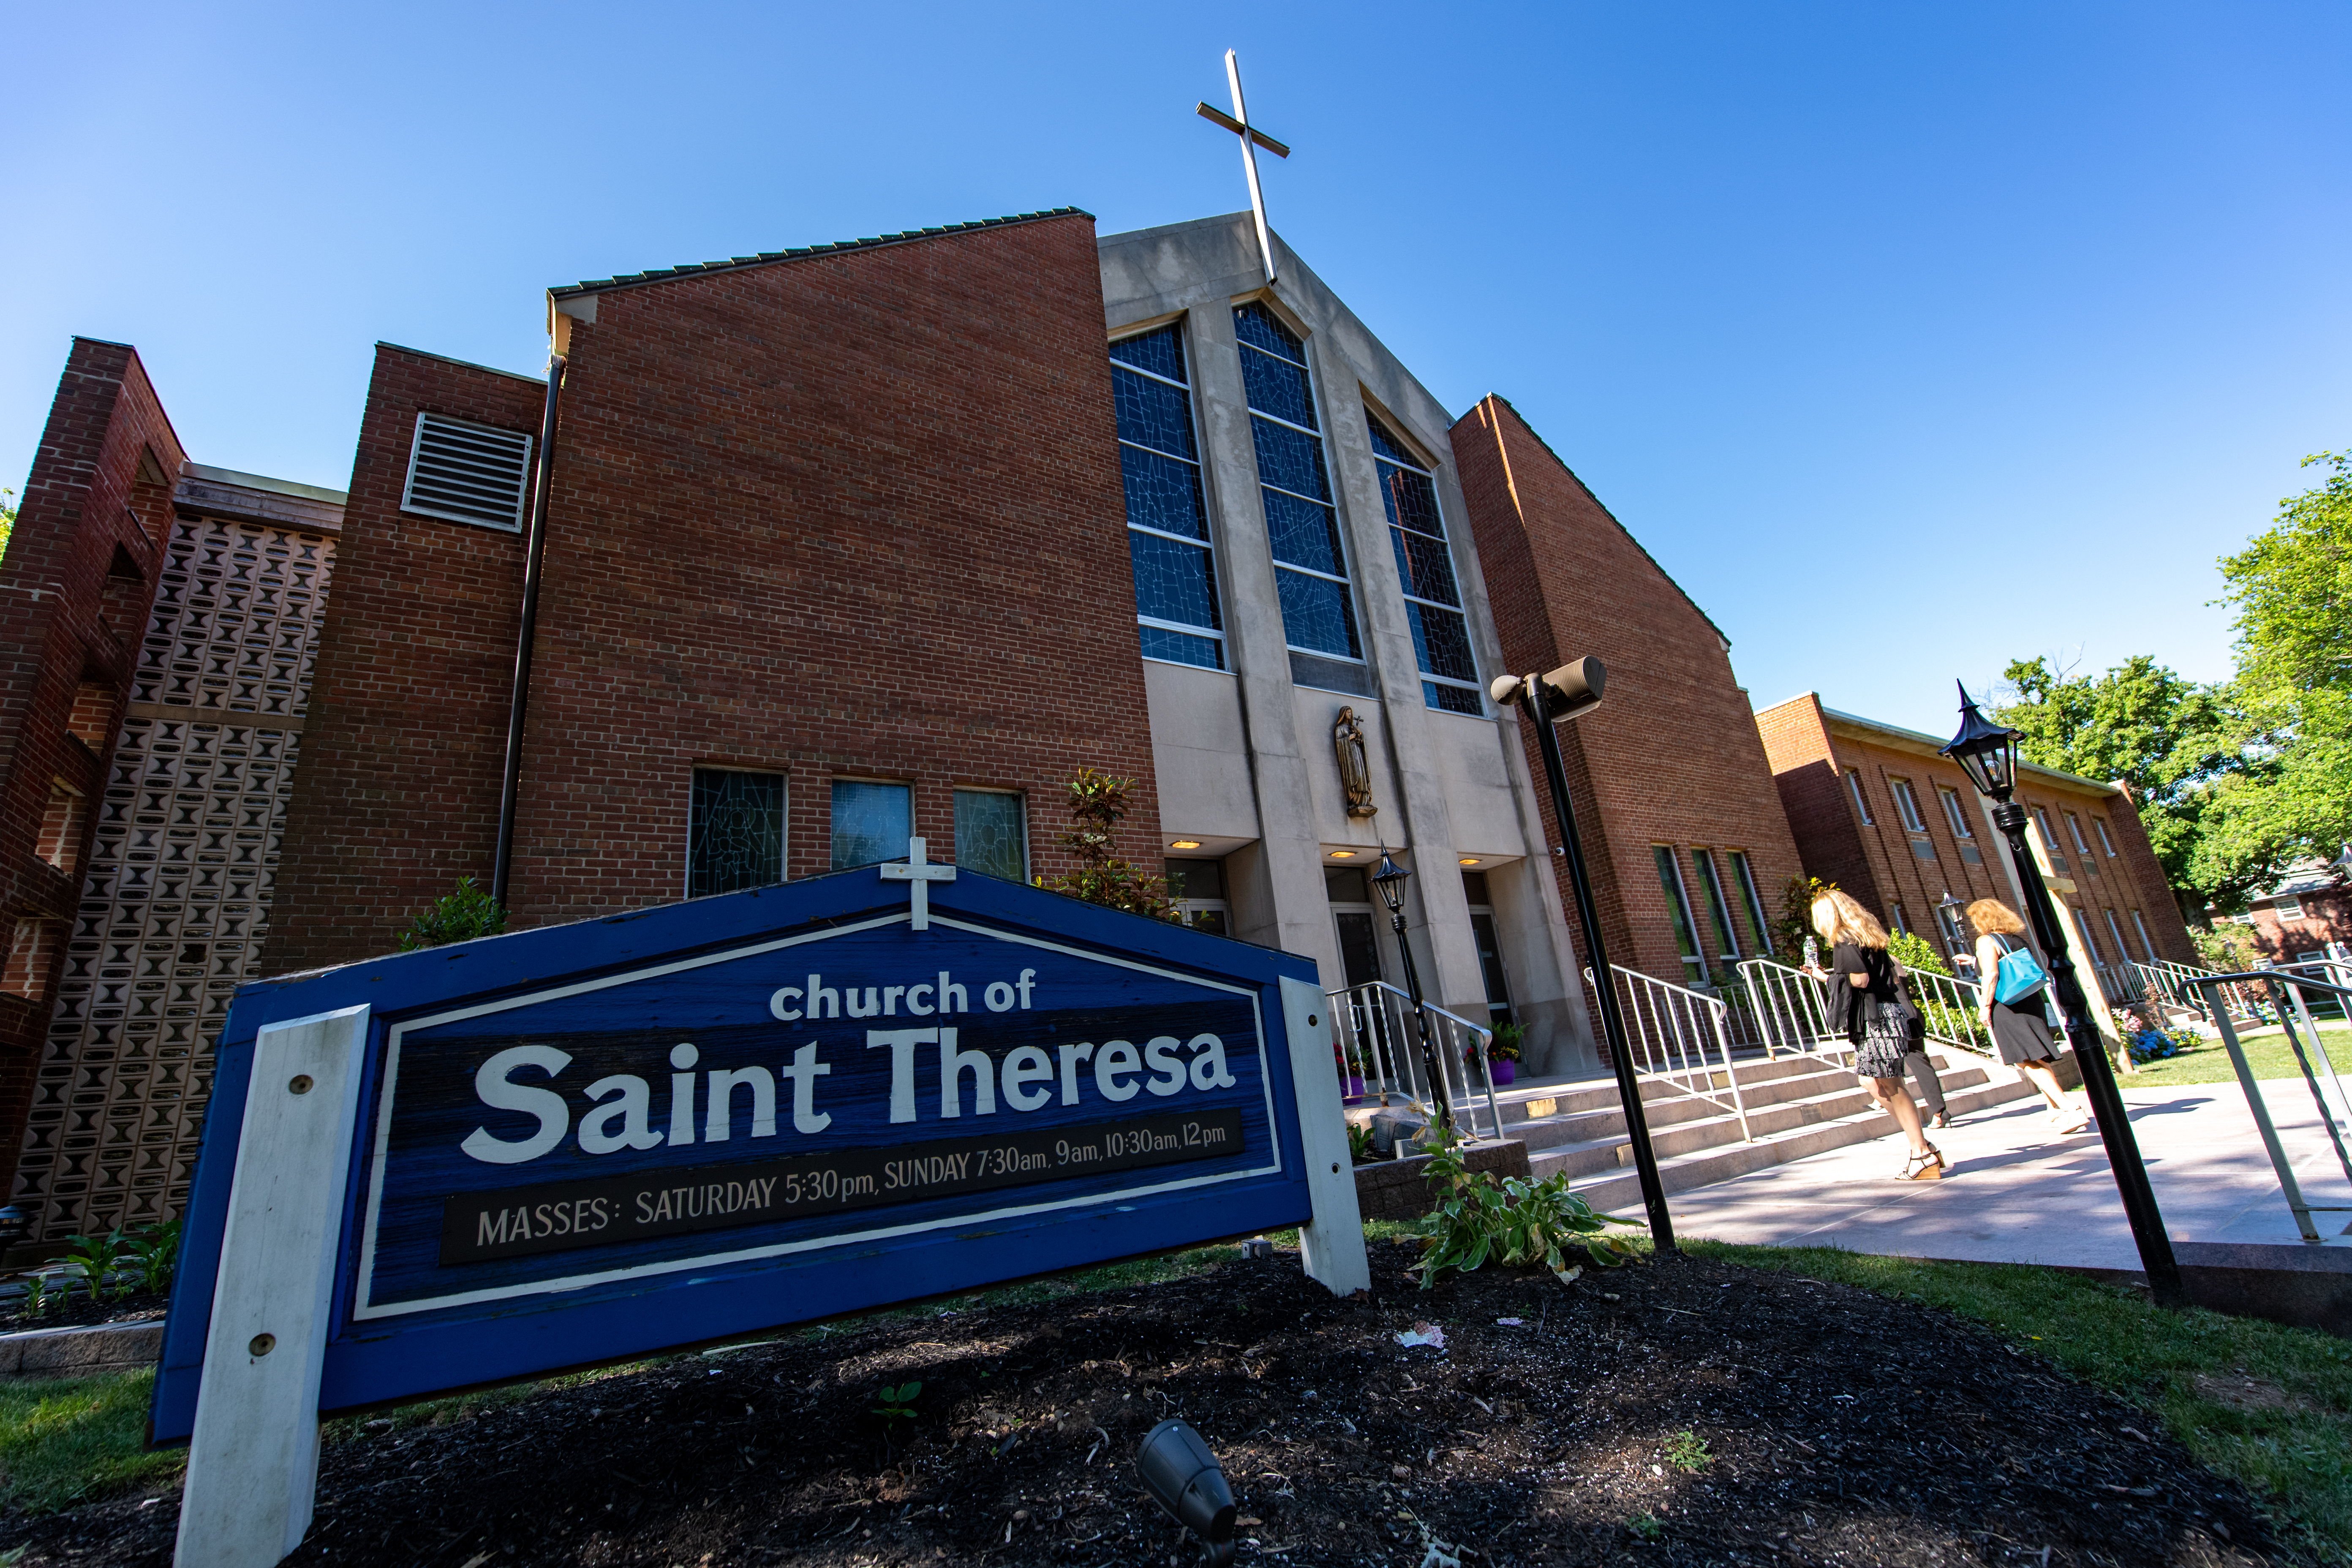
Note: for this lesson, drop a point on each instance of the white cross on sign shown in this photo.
(914, 869)
(1252, 138)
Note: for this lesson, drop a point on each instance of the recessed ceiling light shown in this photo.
(1343, 854)
(1185, 844)
(1470, 860)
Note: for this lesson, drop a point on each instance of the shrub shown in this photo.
(1518, 1222)
(462, 916)
(1911, 951)
(1097, 801)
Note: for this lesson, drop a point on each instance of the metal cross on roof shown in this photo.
(914, 869)
(1252, 138)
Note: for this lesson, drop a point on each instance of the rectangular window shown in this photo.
(1853, 782)
(1318, 613)
(2075, 831)
(2146, 946)
(735, 831)
(1902, 920)
(2049, 842)
(2115, 929)
(2099, 825)
(1954, 812)
(1198, 888)
(871, 822)
(2082, 926)
(1718, 908)
(1176, 612)
(1433, 602)
(1670, 880)
(2288, 909)
(991, 833)
(1758, 925)
(1906, 806)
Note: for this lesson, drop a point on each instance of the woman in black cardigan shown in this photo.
(1867, 999)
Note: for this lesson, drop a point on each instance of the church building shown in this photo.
(797, 556)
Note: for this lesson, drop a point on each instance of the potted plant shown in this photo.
(1502, 1052)
(1352, 1077)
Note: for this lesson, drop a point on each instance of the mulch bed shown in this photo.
(78, 1311)
(1842, 1428)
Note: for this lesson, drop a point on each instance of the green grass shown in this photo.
(2268, 1054)
(2298, 1456)
(77, 1439)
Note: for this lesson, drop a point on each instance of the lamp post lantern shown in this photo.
(1389, 880)
(1987, 752)
(1571, 691)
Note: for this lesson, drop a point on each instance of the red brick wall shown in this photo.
(2327, 917)
(397, 785)
(849, 514)
(98, 497)
(2157, 905)
(1813, 793)
(1672, 755)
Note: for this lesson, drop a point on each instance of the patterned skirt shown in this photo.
(1885, 1040)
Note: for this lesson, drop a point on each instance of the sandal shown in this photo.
(1926, 1167)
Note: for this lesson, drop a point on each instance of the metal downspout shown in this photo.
(512, 782)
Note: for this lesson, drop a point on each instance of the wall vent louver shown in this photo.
(469, 473)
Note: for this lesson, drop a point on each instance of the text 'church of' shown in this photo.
(841, 545)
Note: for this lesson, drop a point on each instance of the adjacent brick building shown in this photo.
(1876, 810)
(2306, 916)
(1680, 820)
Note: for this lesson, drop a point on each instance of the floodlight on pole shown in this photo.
(1987, 752)
(1569, 693)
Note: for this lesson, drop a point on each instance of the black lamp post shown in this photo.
(1571, 691)
(1389, 880)
(1987, 752)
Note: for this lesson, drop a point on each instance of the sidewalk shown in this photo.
(2014, 1192)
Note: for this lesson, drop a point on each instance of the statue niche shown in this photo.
(1355, 771)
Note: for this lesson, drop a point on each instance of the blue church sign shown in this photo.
(592, 1142)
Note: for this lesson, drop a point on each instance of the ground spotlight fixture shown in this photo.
(1987, 752)
(1570, 692)
(1184, 1477)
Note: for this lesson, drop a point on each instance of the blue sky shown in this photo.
(1909, 338)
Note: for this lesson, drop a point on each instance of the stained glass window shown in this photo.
(871, 822)
(735, 831)
(1318, 617)
(1433, 601)
(992, 834)
(1167, 523)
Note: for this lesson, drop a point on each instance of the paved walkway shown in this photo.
(2014, 1192)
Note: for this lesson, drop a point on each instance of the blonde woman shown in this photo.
(1866, 996)
(2020, 1030)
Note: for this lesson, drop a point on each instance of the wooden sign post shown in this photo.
(527, 1153)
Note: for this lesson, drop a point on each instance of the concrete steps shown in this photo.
(1797, 1106)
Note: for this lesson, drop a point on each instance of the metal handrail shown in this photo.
(1673, 1029)
(1952, 1009)
(2278, 986)
(1374, 1028)
(1789, 1010)
(2176, 985)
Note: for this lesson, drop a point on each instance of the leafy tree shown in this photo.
(2292, 590)
(1097, 801)
(7, 517)
(462, 916)
(2171, 740)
